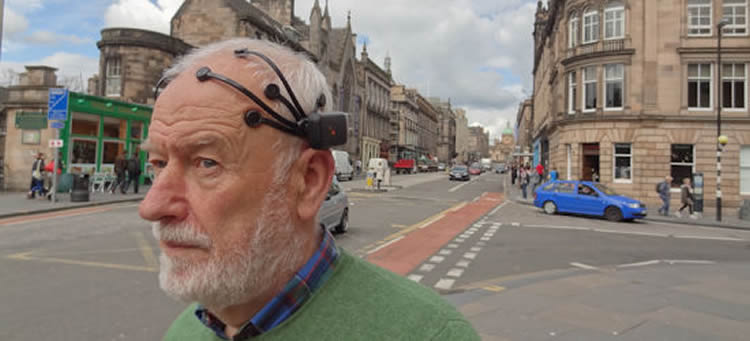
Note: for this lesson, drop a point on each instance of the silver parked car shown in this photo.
(334, 212)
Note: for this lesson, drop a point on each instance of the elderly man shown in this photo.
(241, 173)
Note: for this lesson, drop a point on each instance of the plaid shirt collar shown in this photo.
(301, 287)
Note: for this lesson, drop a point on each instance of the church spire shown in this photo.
(325, 13)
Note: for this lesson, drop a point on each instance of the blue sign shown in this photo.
(57, 106)
(57, 125)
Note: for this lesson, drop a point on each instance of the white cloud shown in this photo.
(24, 6)
(69, 65)
(14, 23)
(50, 38)
(143, 14)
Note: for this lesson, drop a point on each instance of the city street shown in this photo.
(90, 273)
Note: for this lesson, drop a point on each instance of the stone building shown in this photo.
(375, 126)
(524, 128)
(462, 137)
(131, 61)
(446, 129)
(427, 124)
(479, 143)
(627, 90)
(404, 123)
(502, 149)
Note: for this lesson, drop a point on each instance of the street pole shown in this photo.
(720, 27)
(54, 168)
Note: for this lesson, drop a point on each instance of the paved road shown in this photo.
(90, 274)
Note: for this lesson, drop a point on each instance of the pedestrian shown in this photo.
(594, 175)
(121, 166)
(37, 177)
(359, 167)
(663, 188)
(524, 180)
(133, 173)
(513, 174)
(240, 178)
(553, 174)
(686, 197)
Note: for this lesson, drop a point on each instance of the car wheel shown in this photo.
(344, 224)
(550, 207)
(613, 214)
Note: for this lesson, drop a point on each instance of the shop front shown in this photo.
(98, 130)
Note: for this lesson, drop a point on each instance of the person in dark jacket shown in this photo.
(37, 177)
(134, 172)
(663, 189)
(686, 197)
(120, 167)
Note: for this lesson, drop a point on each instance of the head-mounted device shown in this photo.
(322, 130)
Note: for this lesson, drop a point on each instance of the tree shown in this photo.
(72, 83)
(8, 77)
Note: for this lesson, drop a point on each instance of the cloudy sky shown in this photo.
(478, 53)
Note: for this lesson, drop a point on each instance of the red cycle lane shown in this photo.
(403, 256)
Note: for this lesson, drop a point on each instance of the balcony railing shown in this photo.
(601, 46)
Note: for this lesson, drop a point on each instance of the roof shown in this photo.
(507, 131)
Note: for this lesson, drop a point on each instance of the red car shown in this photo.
(474, 171)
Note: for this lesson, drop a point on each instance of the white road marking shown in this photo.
(427, 267)
(445, 283)
(415, 278)
(650, 234)
(455, 273)
(465, 236)
(455, 188)
(445, 252)
(481, 243)
(384, 245)
(470, 255)
(478, 225)
(474, 229)
(516, 224)
(459, 240)
(632, 265)
(452, 246)
(498, 208)
(727, 239)
(459, 207)
(486, 239)
(687, 261)
(463, 263)
(476, 249)
(437, 259)
(489, 234)
(494, 227)
(427, 223)
(584, 266)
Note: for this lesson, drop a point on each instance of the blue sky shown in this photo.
(477, 52)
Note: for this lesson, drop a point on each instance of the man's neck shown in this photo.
(236, 316)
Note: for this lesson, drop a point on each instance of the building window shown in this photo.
(589, 89)
(573, 31)
(113, 85)
(683, 163)
(590, 26)
(699, 17)
(572, 93)
(735, 12)
(733, 86)
(614, 21)
(699, 86)
(745, 170)
(623, 162)
(614, 77)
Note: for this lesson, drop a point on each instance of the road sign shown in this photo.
(55, 143)
(31, 120)
(57, 105)
(57, 125)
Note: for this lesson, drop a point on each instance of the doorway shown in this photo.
(590, 168)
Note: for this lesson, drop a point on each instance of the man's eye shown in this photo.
(208, 163)
(159, 163)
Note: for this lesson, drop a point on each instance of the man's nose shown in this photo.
(166, 199)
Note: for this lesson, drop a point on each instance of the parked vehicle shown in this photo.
(587, 198)
(441, 166)
(486, 164)
(459, 172)
(475, 170)
(334, 212)
(344, 169)
(405, 166)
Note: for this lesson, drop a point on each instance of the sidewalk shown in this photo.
(668, 301)
(513, 192)
(15, 203)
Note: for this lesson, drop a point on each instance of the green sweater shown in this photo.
(359, 302)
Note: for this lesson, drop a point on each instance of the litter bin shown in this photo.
(64, 183)
(80, 192)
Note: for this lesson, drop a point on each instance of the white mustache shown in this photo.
(181, 233)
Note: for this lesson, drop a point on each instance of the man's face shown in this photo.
(218, 214)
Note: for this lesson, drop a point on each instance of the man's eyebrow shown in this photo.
(193, 143)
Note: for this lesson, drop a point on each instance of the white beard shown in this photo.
(239, 275)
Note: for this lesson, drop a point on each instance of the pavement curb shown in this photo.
(65, 208)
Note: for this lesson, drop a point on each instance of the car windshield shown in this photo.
(459, 168)
(604, 189)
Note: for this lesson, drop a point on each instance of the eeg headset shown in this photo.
(322, 130)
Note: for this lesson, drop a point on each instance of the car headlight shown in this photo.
(634, 205)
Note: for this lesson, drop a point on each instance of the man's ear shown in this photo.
(317, 170)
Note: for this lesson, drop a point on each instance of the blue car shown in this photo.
(587, 198)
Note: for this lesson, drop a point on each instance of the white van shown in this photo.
(344, 169)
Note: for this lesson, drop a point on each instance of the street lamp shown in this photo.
(721, 140)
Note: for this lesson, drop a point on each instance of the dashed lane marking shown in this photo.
(514, 224)
(470, 255)
(460, 240)
(632, 265)
(727, 239)
(687, 261)
(476, 249)
(445, 283)
(437, 259)
(427, 267)
(415, 278)
(452, 246)
(584, 266)
(494, 288)
(445, 252)
(481, 244)
(463, 263)
(498, 208)
(486, 239)
(455, 273)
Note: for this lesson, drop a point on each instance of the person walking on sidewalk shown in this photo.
(553, 174)
(524, 179)
(663, 189)
(120, 168)
(37, 177)
(134, 173)
(513, 174)
(686, 197)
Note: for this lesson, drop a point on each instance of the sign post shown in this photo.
(57, 110)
